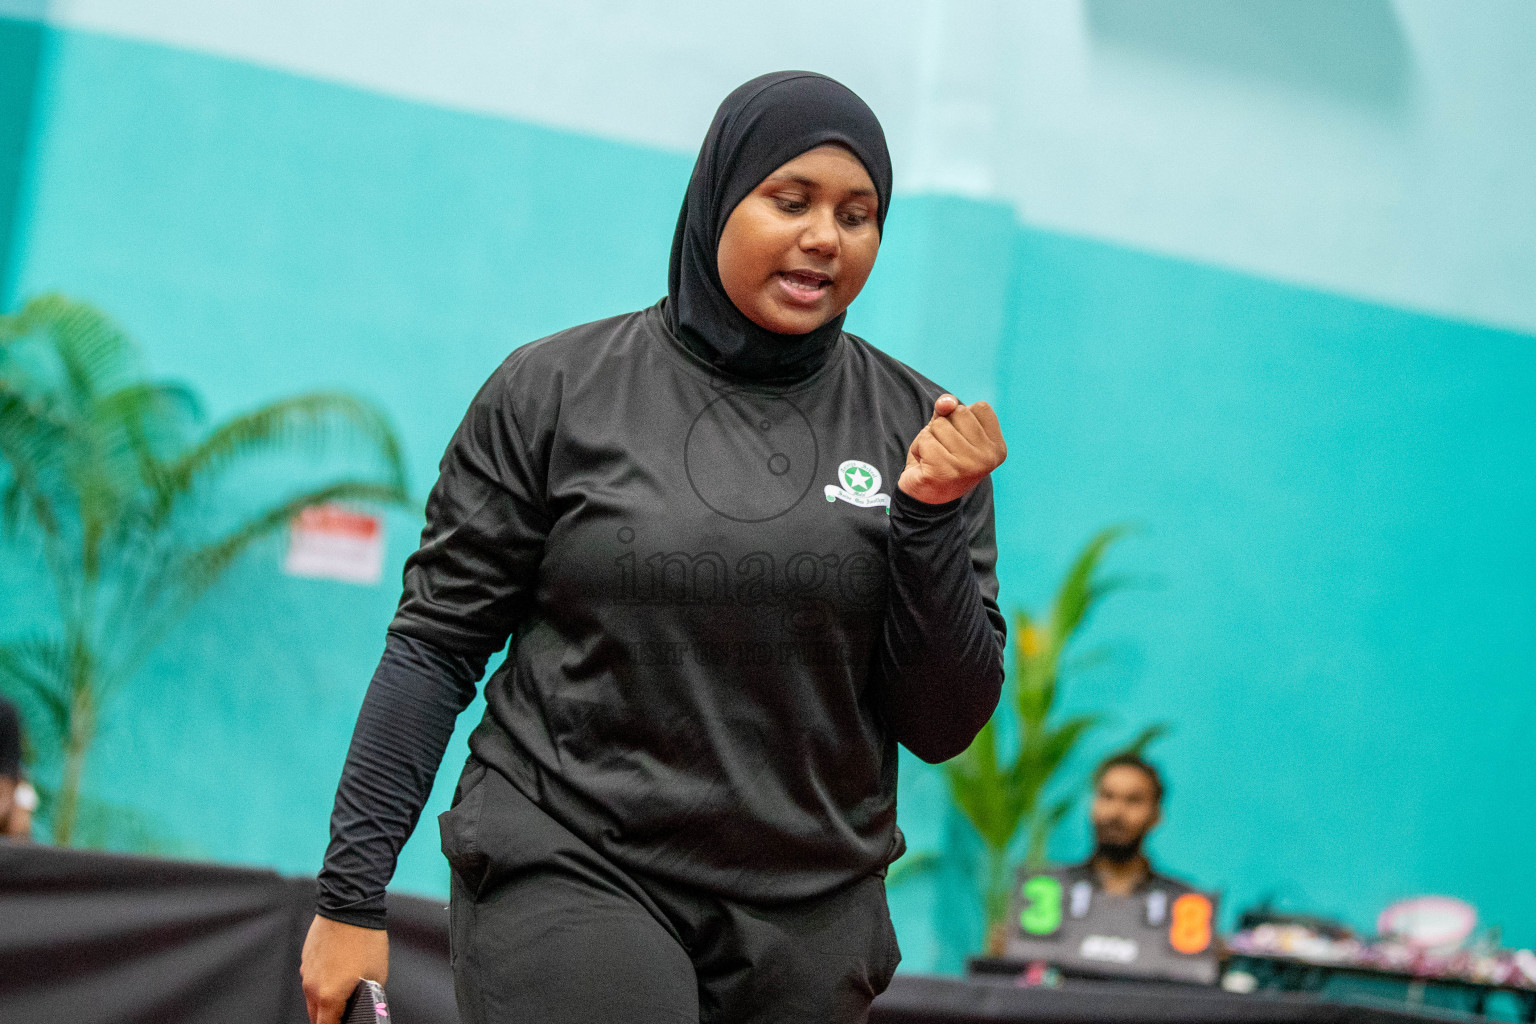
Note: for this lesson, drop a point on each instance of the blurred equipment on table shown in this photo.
(1426, 952)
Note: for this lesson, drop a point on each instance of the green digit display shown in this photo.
(1042, 905)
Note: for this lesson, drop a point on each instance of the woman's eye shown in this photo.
(790, 204)
(853, 218)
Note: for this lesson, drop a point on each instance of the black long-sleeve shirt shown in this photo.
(724, 616)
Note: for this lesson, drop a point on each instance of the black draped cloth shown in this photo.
(93, 938)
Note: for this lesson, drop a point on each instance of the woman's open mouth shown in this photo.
(803, 287)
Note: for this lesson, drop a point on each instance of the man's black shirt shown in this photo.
(1153, 879)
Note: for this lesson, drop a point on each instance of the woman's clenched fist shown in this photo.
(958, 446)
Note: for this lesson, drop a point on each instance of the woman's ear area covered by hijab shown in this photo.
(762, 128)
(798, 248)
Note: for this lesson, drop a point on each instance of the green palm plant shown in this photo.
(998, 797)
(109, 479)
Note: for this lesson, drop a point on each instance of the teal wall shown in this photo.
(1335, 499)
(21, 46)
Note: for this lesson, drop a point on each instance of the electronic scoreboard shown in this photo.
(1165, 930)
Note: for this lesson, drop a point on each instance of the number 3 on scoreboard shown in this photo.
(1042, 905)
(1190, 931)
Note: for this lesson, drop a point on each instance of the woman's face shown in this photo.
(797, 250)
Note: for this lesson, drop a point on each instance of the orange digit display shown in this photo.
(1190, 931)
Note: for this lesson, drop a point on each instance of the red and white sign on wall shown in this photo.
(334, 543)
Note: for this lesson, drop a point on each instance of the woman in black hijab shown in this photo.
(761, 126)
(681, 801)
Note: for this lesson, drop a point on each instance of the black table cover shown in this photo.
(95, 938)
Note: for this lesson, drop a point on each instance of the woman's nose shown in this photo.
(820, 235)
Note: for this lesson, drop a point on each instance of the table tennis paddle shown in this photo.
(366, 1005)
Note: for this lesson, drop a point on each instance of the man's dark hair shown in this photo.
(1131, 759)
(10, 740)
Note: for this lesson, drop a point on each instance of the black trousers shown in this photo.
(547, 931)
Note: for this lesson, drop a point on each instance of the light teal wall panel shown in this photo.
(1337, 511)
(948, 317)
(21, 46)
(1335, 499)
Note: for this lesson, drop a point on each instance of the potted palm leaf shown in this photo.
(1002, 797)
(110, 486)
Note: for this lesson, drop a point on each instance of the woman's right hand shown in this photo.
(336, 956)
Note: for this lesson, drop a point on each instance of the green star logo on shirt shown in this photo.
(857, 479)
(858, 483)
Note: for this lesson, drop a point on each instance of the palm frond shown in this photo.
(146, 417)
(974, 780)
(204, 565)
(1077, 593)
(36, 670)
(92, 351)
(165, 592)
(1103, 586)
(31, 442)
(1087, 661)
(1146, 737)
(117, 468)
(1026, 636)
(1058, 812)
(1042, 828)
(318, 418)
(98, 459)
(910, 866)
(1062, 740)
(1035, 691)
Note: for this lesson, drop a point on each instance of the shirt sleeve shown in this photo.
(487, 521)
(465, 588)
(940, 653)
(402, 730)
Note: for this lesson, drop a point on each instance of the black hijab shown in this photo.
(761, 126)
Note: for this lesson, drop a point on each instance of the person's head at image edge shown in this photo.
(780, 226)
(17, 799)
(1127, 806)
